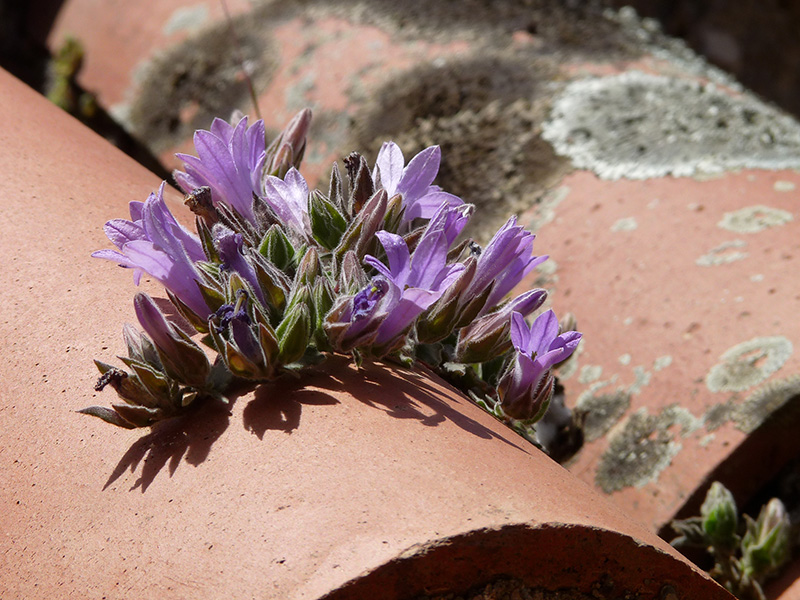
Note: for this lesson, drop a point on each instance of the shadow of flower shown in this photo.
(188, 437)
(280, 411)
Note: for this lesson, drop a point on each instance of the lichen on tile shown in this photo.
(590, 373)
(748, 364)
(723, 254)
(639, 126)
(764, 401)
(662, 362)
(602, 411)
(626, 224)
(638, 452)
(753, 219)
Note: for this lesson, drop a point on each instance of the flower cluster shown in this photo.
(277, 277)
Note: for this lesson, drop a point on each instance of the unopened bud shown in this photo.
(765, 546)
(525, 402)
(293, 334)
(719, 514)
(327, 223)
(182, 359)
(276, 248)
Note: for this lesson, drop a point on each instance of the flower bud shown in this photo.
(277, 248)
(309, 268)
(327, 223)
(719, 515)
(765, 546)
(522, 398)
(483, 340)
(182, 359)
(352, 277)
(361, 232)
(293, 334)
(287, 150)
(439, 321)
(488, 336)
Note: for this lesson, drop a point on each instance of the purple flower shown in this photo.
(231, 250)
(506, 260)
(415, 283)
(487, 336)
(155, 243)
(181, 357)
(525, 388)
(231, 162)
(381, 312)
(413, 181)
(288, 197)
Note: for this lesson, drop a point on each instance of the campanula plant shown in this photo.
(277, 277)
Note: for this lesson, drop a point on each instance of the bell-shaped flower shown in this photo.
(380, 314)
(526, 386)
(230, 161)
(506, 260)
(487, 337)
(413, 181)
(153, 242)
(288, 197)
(415, 282)
(231, 250)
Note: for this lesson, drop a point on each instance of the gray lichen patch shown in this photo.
(748, 364)
(718, 414)
(764, 401)
(753, 219)
(638, 452)
(602, 411)
(626, 224)
(590, 373)
(639, 126)
(662, 362)
(723, 254)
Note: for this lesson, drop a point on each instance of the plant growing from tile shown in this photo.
(742, 562)
(278, 277)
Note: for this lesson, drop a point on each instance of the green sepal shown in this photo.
(293, 334)
(207, 241)
(187, 313)
(327, 223)
(108, 415)
(139, 416)
(153, 381)
(277, 248)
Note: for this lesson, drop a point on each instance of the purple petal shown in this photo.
(398, 256)
(411, 305)
(419, 174)
(543, 331)
(135, 207)
(222, 129)
(427, 205)
(560, 349)
(520, 332)
(389, 164)
(429, 259)
(120, 232)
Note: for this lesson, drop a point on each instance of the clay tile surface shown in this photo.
(358, 480)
